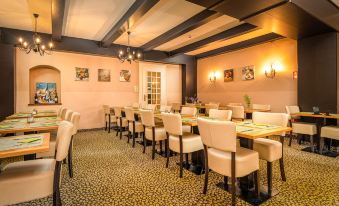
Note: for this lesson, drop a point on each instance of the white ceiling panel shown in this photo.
(211, 28)
(18, 14)
(92, 19)
(162, 17)
(216, 45)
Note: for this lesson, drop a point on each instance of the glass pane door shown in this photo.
(153, 88)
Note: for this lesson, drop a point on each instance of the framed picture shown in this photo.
(104, 75)
(125, 75)
(228, 75)
(46, 93)
(81, 74)
(247, 73)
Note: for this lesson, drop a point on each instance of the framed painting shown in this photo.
(247, 73)
(125, 75)
(46, 93)
(104, 75)
(228, 75)
(81, 74)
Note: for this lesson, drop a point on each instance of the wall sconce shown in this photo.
(270, 73)
(295, 75)
(213, 77)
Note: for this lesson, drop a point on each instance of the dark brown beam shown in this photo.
(58, 9)
(192, 23)
(227, 34)
(241, 45)
(138, 9)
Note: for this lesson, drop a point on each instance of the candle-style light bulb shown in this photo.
(50, 45)
(25, 44)
(21, 40)
(43, 47)
(37, 40)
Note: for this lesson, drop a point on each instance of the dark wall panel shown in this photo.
(317, 72)
(6, 80)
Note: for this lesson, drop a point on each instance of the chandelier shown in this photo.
(129, 55)
(37, 45)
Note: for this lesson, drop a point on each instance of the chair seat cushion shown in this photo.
(138, 127)
(186, 129)
(191, 143)
(26, 180)
(269, 150)
(160, 133)
(304, 128)
(331, 132)
(246, 161)
(123, 121)
(113, 119)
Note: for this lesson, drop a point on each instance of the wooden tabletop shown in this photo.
(27, 114)
(13, 126)
(311, 114)
(24, 148)
(249, 110)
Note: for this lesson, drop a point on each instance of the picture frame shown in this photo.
(81, 74)
(104, 75)
(248, 73)
(125, 76)
(228, 75)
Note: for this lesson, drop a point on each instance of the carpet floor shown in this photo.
(108, 171)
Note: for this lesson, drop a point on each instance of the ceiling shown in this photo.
(93, 20)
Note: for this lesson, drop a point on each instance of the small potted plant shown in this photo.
(248, 100)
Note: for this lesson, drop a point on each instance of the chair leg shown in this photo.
(233, 178)
(167, 152)
(256, 182)
(133, 144)
(291, 137)
(312, 142)
(56, 188)
(321, 145)
(225, 183)
(269, 178)
(120, 128)
(153, 143)
(206, 170)
(181, 157)
(105, 126)
(70, 161)
(282, 169)
(144, 141)
(109, 124)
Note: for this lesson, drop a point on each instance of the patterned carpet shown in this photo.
(108, 171)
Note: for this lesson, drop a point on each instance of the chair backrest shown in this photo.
(220, 135)
(135, 105)
(129, 113)
(214, 103)
(147, 118)
(75, 121)
(189, 111)
(176, 106)
(107, 109)
(151, 107)
(117, 111)
(292, 109)
(234, 104)
(238, 112)
(63, 140)
(261, 106)
(68, 115)
(211, 106)
(225, 115)
(59, 111)
(172, 123)
(278, 119)
(165, 108)
(63, 113)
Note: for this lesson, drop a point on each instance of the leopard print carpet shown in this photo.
(108, 171)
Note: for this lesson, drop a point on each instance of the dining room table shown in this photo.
(44, 113)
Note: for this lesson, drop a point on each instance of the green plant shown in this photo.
(247, 100)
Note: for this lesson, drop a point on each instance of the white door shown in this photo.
(152, 81)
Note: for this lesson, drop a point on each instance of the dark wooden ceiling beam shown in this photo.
(192, 23)
(58, 10)
(227, 34)
(241, 45)
(138, 9)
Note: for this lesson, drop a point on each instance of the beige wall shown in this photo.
(278, 92)
(86, 97)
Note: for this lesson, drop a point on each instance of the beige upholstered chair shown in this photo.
(121, 121)
(238, 112)
(165, 108)
(151, 107)
(59, 112)
(75, 119)
(68, 115)
(301, 128)
(63, 113)
(234, 104)
(222, 154)
(225, 115)
(29, 180)
(191, 111)
(135, 105)
(177, 140)
(110, 119)
(134, 126)
(210, 106)
(153, 132)
(176, 107)
(261, 106)
(271, 150)
(331, 132)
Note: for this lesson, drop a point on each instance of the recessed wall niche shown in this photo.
(44, 76)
